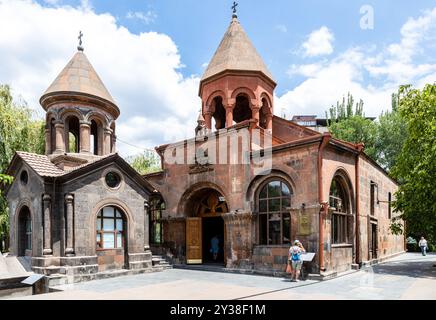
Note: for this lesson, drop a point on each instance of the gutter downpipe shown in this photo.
(360, 148)
(324, 204)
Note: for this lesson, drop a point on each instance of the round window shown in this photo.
(24, 177)
(113, 180)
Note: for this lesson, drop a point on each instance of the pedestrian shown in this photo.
(294, 257)
(214, 242)
(423, 245)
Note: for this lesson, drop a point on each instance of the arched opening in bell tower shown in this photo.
(96, 137)
(242, 110)
(72, 130)
(219, 116)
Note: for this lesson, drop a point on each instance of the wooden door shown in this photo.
(194, 253)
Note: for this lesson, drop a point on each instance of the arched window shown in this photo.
(274, 202)
(111, 228)
(219, 116)
(242, 109)
(156, 230)
(340, 206)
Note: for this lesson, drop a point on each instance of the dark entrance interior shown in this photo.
(213, 227)
(373, 241)
(24, 232)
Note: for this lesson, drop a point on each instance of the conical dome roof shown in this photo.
(236, 52)
(78, 79)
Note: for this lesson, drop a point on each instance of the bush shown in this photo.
(413, 247)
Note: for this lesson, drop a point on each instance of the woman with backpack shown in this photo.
(294, 258)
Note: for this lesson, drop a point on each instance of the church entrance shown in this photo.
(205, 229)
(24, 232)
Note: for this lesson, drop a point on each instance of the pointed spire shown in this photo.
(236, 53)
(200, 119)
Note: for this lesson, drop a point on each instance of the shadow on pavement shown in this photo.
(416, 267)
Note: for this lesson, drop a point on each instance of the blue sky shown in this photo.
(277, 28)
(151, 53)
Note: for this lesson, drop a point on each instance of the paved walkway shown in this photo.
(409, 276)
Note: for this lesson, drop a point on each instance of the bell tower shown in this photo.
(237, 85)
(81, 113)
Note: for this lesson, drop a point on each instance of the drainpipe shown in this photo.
(360, 147)
(324, 204)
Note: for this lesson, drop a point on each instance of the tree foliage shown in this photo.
(145, 163)
(391, 135)
(18, 132)
(347, 122)
(416, 163)
(383, 138)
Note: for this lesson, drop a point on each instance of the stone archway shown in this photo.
(24, 233)
(205, 227)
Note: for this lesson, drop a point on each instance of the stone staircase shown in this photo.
(160, 263)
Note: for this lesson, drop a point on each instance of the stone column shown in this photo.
(47, 141)
(114, 142)
(107, 141)
(269, 118)
(208, 120)
(85, 137)
(146, 226)
(46, 199)
(256, 114)
(70, 226)
(60, 137)
(229, 116)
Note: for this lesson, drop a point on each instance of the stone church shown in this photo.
(81, 210)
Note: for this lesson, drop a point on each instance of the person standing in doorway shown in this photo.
(295, 260)
(214, 242)
(423, 245)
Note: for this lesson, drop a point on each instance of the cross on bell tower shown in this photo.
(235, 5)
(80, 48)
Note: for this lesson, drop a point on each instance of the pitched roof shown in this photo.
(236, 52)
(42, 165)
(79, 76)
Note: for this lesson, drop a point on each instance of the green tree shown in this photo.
(147, 162)
(18, 132)
(391, 135)
(348, 122)
(416, 163)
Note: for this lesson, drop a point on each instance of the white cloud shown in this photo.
(142, 72)
(147, 18)
(319, 42)
(369, 73)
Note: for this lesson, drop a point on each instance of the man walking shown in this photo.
(423, 245)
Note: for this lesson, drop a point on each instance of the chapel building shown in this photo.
(325, 192)
(80, 210)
